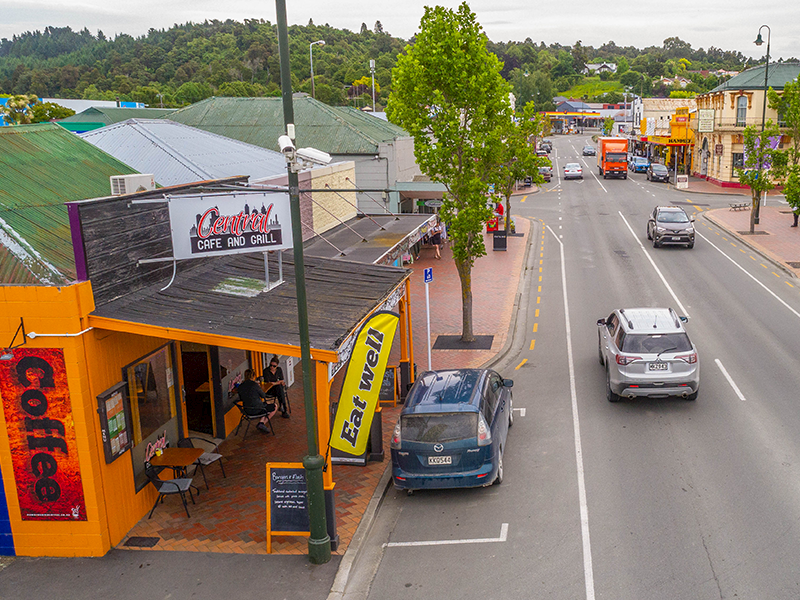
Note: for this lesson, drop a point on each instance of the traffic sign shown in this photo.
(428, 274)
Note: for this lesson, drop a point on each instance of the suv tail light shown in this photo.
(689, 358)
(484, 433)
(626, 360)
(395, 443)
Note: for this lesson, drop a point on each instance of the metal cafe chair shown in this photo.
(249, 419)
(168, 487)
(206, 458)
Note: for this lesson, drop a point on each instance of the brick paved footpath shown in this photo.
(230, 516)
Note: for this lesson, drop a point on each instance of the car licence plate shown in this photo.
(440, 460)
(658, 366)
(675, 239)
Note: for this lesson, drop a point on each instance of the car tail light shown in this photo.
(395, 443)
(689, 358)
(626, 360)
(484, 433)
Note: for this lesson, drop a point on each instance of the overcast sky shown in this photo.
(727, 24)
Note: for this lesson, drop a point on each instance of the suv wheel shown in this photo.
(499, 479)
(610, 396)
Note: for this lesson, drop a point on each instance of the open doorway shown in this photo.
(197, 387)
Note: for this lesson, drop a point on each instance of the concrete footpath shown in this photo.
(131, 575)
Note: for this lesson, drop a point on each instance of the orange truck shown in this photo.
(612, 157)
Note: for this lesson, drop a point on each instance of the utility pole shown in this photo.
(319, 543)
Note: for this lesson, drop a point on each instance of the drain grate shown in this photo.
(138, 541)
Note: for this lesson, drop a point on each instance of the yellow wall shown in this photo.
(94, 363)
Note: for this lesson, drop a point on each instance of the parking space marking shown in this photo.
(503, 537)
(730, 380)
(521, 411)
(517, 368)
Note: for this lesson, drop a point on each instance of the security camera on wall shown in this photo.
(286, 145)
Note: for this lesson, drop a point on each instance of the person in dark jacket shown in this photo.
(274, 375)
(254, 400)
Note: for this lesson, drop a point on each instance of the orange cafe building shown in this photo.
(98, 374)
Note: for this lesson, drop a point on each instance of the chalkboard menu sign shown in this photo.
(115, 419)
(388, 391)
(287, 501)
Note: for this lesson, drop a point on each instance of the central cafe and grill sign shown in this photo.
(220, 224)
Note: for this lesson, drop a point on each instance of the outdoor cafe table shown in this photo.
(177, 459)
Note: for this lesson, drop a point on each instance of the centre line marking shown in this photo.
(730, 380)
(588, 570)
(524, 360)
(533, 343)
(536, 326)
(503, 537)
(652, 262)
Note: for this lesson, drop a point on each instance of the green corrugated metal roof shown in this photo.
(43, 166)
(753, 79)
(115, 115)
(259, 121)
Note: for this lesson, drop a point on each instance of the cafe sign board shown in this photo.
(231, 223)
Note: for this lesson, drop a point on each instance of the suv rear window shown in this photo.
(654, 343)
(439, 427)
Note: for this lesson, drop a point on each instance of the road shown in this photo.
(645, 499)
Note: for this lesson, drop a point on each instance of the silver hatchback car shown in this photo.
(647, 353)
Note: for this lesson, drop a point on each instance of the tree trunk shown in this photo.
(465, 275)
(754, 210)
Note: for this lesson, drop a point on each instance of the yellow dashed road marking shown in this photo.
(536, 325)
(776, 275)
(789, 284)
(538, 299)
(523, 199)
(540, 277)
(533, 343)
(537, 313)
(524, 360)
(763, 265)
(540, 289)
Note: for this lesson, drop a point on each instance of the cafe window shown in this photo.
(151, 389)
(741, 111)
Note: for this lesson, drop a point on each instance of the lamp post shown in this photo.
(311, 61)
(759, 41)
(319, 543)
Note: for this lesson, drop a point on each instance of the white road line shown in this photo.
(503, 537)
(730, 380)
(598, 181)
(652, 262)
(774, 295)
(588, 571)
(522, 411)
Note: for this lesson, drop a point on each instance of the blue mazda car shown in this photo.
(452, 430)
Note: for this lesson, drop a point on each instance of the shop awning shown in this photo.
(420, 190)
(386, 238)
(217, 301)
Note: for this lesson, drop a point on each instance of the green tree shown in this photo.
(447, 92)
(518, 159)
(49, 111)
(608, 125)
(760, 157)
(17, 110)
(787, 105)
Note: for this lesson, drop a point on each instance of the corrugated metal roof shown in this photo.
(42, 167)
(753, 79)
(259, 121)
(115, 115)
(668, 104)
(176, 154)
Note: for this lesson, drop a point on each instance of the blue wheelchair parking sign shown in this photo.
(428, 274)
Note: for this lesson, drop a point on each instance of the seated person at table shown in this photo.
(254, 400)
(274, 375)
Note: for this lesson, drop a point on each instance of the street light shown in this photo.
(758, 42)
(311, 60)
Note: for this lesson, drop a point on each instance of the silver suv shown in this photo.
(670, 225)
(647, 353)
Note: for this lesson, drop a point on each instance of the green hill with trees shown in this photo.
(186, 63)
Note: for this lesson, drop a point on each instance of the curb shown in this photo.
(343, 573)
(766, 255)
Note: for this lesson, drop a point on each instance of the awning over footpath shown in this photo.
(371, 239)
(216, 300)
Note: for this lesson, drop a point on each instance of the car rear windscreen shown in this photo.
(655, 343)
(439, 427)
